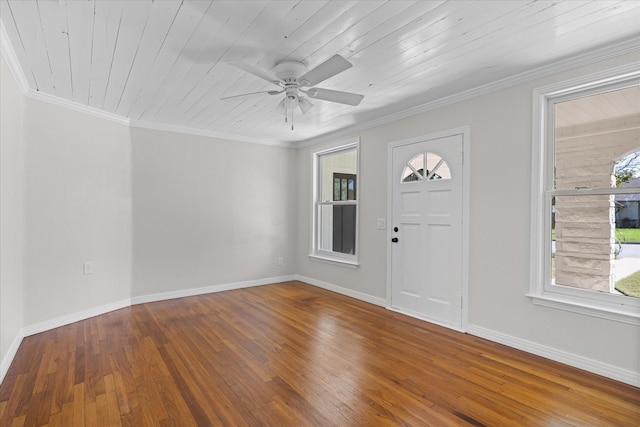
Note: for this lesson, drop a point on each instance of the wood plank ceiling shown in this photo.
(165, 62)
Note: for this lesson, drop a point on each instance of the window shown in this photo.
(344, 186)
(436, 168)
(335, 204)
(585, 195)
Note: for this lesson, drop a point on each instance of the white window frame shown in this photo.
(317, 254)
(541, 290)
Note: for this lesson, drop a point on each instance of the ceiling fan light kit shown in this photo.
(293, 77)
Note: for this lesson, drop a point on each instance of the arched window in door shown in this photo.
(426, 166)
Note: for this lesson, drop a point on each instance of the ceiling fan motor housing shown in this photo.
(289, 70)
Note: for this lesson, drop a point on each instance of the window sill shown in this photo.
(629, 314)
(335, 261)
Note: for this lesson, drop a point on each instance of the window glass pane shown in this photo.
(414, 165)
(344, 189)
(627, 170)
(591, 248)
(325, 227)
(437, 168)
(351, 190)
(418, 162)
(408, 175)
(594, 142)
(344, 162)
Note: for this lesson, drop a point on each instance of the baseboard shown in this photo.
(344, 291)
(581, 362)
(11, 353)
(96, 311)
(425, 319)
(142, 299)
(74, 317)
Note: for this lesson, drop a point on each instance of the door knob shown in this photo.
(395, 229)
(394, 240)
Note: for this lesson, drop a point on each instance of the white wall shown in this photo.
(210, 212)
(78, 208)
(11, 213)
(500, 156)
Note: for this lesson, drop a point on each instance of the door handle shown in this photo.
(394, 240)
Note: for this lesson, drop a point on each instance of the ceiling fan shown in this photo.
(298, 84)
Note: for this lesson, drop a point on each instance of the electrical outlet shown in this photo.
(87, 268)
(280, 261)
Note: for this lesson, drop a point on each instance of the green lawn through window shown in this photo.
(623, 235)
(628, 235)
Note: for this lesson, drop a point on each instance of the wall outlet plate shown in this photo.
(87, 268)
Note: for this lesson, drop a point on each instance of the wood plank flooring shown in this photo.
(291, 354)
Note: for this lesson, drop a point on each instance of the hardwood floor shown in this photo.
(292, 354)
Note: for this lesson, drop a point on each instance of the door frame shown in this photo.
(464, 131)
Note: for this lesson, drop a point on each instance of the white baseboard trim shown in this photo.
(426, 319)
(142, 299)
(11, 353)
(581, 362)
(96, 311)
(344, 291)
(74, 317)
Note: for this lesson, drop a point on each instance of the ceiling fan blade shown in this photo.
(256, 71)
(270, 92)
(329, 68)
(281, 108)
(335, 96)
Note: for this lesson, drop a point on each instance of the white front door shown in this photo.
(426, 229)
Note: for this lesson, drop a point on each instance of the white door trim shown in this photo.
(465, 132)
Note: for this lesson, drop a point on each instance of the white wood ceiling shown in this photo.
(165, 62)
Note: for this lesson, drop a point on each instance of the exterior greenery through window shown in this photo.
(585, 197)
(335, 210)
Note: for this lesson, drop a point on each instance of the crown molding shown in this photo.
(9, 55)
(596, 55)
(209, 134)
(65, 103)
